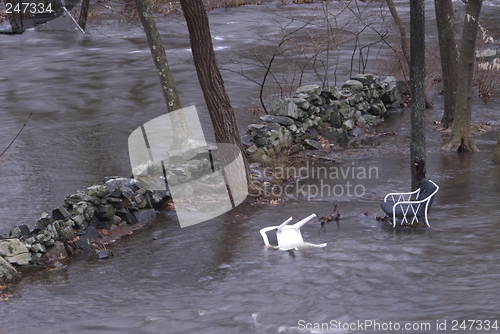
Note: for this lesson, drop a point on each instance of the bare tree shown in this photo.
(181, 129)
(212, 85)
(417, 78)
(461, 130)
(445, 19)
(404, 40)
(405, 44)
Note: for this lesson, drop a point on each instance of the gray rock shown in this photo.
(383, 82)
(126, 216)
(20, 259)
(15, 252)
(117, 220)
(7, 272)
(391, 94)
(57, 250)
(106, 224)
(126, 191)
(334, 135)
(85, 209)
(346, 111)
(324, 114)
(365, 79)
(312, 144)
(370, 118)
(45, 219)
(252, 149)
(302, 115)
(286, 121)
(354, 85)
(246, 140)
(309, 90)
(256, 127)
(261, 141)
(104, 254)
(378, 108)
(79, 221)
(79, 197)
(141, 201)
(332, 93)
(348, 125)
(355, 116)
(97, 190)
(84, 242)
(335, 120)
(271, 126)
(60, 213)
(117, 182)
(316, 101)
(284, 108)
(30, 240)
(301, 103)
(345, 94)
(117, 203)
(19, 231)
(38, 248)
(12, 247)
(361, 122)
(159, 196)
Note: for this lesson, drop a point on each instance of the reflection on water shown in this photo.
(88, 93)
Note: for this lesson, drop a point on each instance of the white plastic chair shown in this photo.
(404, 208)
(289, 236)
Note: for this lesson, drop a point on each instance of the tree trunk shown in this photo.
(181, 130)
(405, 44)
(417, 79)
(445, 19)
(212, 85)
(84, 13)
(461, 130)
(159, 57)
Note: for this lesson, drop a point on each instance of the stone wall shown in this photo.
(332, 113)
(76, 224)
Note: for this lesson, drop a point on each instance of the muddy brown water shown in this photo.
(88, 93)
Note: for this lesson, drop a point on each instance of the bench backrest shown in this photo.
(426, 189)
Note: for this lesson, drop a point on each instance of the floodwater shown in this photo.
(88, 93)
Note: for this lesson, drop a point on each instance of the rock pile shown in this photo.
(332, 113)
(77, 222)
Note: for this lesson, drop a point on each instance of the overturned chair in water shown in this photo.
(289, 236)
(403, 207)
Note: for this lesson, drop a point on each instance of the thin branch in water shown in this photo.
(12, 142)
(8, 155)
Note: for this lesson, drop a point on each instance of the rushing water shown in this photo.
(88, 93)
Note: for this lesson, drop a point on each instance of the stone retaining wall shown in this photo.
(332, 113)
